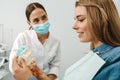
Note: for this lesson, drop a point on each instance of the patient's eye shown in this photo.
(81, 20)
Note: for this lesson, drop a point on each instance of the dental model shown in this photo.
(25, 53)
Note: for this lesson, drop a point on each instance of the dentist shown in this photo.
(45, 47)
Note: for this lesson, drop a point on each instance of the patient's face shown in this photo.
(81, 24)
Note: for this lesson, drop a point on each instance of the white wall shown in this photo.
(60, 12)
(117, 3)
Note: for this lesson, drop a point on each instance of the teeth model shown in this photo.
(25, 53)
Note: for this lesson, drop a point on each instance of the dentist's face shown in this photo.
(81, 24)
(38, 16)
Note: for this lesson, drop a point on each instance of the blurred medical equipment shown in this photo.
(3, 60)
(3, 67)
(3, 49)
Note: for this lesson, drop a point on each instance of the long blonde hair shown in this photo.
(103, 19)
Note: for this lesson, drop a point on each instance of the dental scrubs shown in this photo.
(46, 55)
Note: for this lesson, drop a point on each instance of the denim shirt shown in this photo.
(111, 69)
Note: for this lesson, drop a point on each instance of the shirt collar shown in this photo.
(102, 48)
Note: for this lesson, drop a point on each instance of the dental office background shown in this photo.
(61, 17)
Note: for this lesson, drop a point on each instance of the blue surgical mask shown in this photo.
(42, 28)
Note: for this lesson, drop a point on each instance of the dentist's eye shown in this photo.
(44, 17)
(36, 20)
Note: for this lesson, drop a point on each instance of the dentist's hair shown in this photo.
(31, 7)
(103, 19)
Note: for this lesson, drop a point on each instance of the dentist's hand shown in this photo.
(22, 71)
